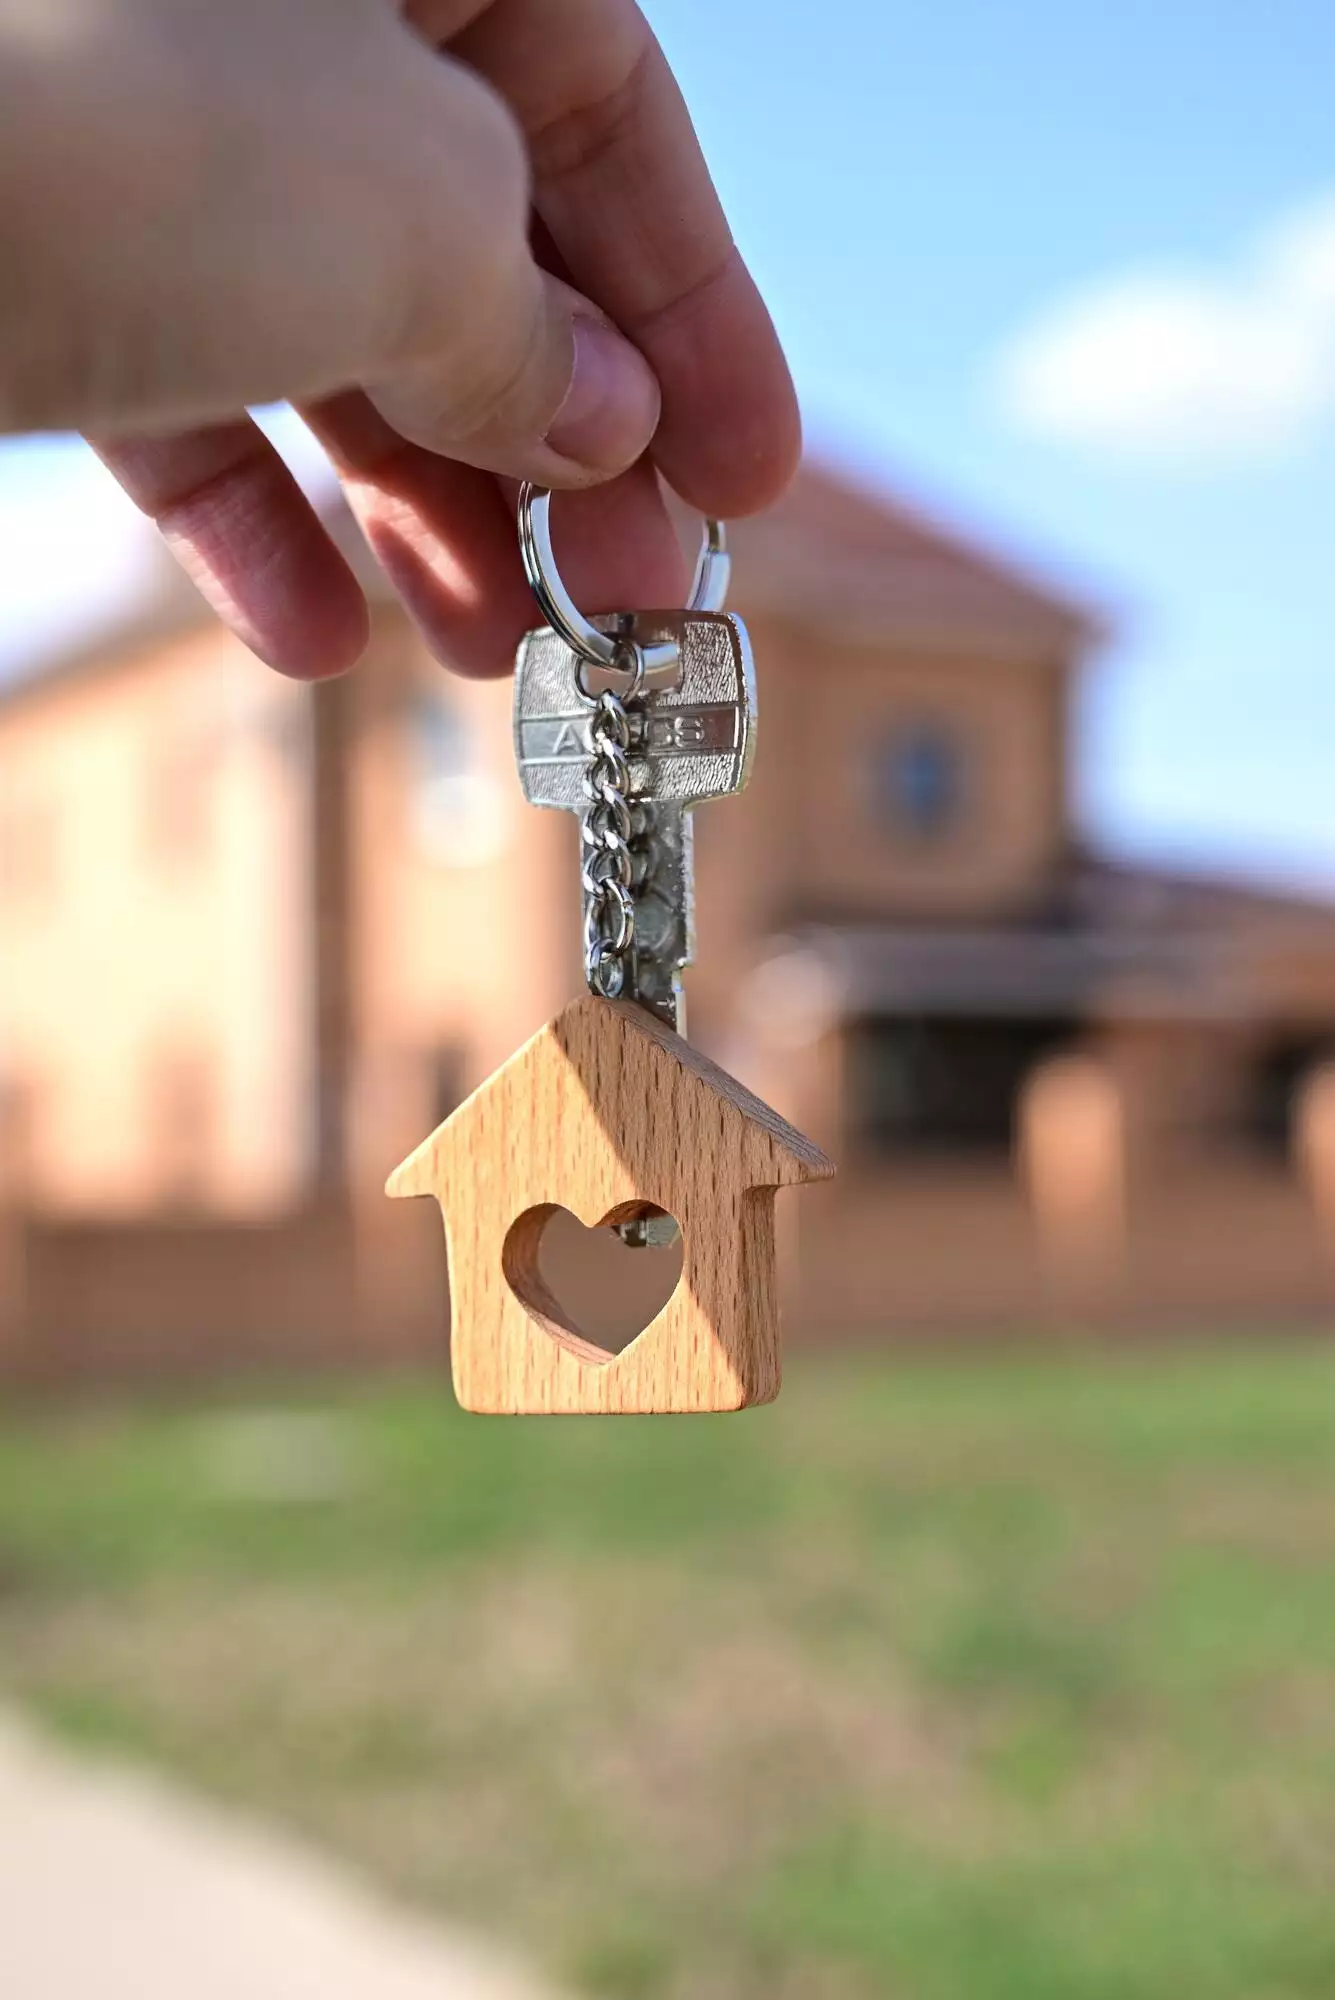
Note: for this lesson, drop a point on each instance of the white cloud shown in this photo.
(1185, 367)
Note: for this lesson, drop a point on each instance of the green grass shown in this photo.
(1001, 1680)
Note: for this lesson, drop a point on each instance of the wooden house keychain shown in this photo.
(608, 1111)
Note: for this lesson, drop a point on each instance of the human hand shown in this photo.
(473, 242)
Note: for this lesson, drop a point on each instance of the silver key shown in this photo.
(693, 738)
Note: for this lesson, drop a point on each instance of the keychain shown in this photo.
(629, 722)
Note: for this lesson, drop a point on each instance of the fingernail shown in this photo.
(611, 407)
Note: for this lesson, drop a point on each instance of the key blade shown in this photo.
(665, 914)
(692, 739)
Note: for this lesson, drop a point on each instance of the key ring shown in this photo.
(709, 586)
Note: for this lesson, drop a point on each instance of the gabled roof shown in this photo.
(168, 608)
(1113, 936)
(832, 550)
(834, 547)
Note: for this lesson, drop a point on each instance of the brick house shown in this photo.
(256, 940)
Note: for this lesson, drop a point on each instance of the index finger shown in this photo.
(621, 185)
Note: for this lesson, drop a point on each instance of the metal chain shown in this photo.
(607, 864)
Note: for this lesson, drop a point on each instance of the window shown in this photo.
(18, 1138)
(459, 811)
(181, 1111)
(28, 847)
(919, 781)
(178, 795)
(447, 1082)
(922, 1084)
(440, 745)
(1273, 1088)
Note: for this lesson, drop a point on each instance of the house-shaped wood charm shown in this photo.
(609, 1114)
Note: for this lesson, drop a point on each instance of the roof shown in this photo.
(168, 607)
(577, 1048)
(833, 544)
(832, 547)
(1115, 937)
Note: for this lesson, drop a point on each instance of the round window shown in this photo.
(920, 781)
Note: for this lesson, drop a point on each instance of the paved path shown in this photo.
(114, 1887)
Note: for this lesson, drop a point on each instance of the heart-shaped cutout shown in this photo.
(589, 1288)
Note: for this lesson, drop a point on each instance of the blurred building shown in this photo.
(256, 940)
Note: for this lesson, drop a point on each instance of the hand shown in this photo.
(472, 242)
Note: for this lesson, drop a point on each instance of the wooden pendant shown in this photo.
(608, 1113)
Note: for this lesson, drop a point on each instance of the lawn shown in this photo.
(1002, 1680)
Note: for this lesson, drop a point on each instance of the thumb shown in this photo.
(500, 364)
(538, 385)
(351, 209)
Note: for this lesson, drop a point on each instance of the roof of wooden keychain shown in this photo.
(608, 1111)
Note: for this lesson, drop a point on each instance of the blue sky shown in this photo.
(1068, 276)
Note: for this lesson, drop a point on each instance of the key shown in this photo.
(692, 739)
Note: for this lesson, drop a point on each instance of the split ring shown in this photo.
(709, 586)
